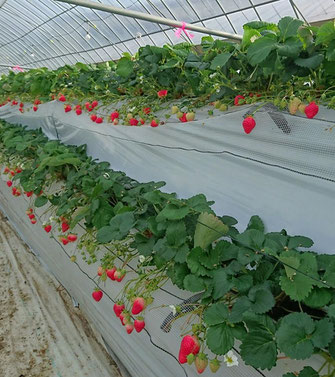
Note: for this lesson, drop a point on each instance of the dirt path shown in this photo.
(41, 333)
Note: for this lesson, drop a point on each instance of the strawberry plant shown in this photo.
(266, 290)
(273, 63)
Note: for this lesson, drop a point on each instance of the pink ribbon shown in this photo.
(18, 68)
(183, 29)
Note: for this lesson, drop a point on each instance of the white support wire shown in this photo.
(150, 18)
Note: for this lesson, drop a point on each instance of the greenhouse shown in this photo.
(167, 191)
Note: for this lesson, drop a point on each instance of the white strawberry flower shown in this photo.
(106, 175)
(173, 309)
(141, 258)
(230, 359)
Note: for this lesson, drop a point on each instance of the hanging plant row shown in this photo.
(263, 289)
(291, 65)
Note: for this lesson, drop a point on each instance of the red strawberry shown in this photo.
(9, 183)
(97, 295)
(67, 108)
(183, 118)
(6, 170)
(237, 100)
(311, 110)
(189, 344)
(147, 110)
(21, 104)
(119, 275)
(122, 317)
(18, 170)
(78, 106)
(111, 273)
(118, 308)
(248, 124)
(93, 117)
(142, 121)
(37, 102)
(29, 211)
(201, 362)
(72, 237)
(138, 305)
(21, 110)
(33, 221)
(12, 173)
(14, 190)
(62, 98)
(139, 324)
(129, 328)
(114, 115)
(153, 123)
(31, 216)
(65, 226)
(35, 108)
(18, 193)
(87, 105)
(79, 111)
(162, 93)
(133, 122)
(95, 104)
(100, 270)
(29, 194)
(99, 120)
(65, 241)
(47, 228)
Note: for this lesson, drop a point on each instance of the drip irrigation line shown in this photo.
(223, 152)
(267, 255)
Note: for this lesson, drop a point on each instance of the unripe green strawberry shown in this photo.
(217, 104)
(293, 105)
(73, 258)
(179, 114)
(276, 102)
(174, 109)
(282, 104)
(190, 358)
(190, 116)
(302, 108)
(223, 107)
(201, 362)
(214, 365)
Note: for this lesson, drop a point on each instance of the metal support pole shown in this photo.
(150, 18)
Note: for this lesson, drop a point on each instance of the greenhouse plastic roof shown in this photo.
(48, 33)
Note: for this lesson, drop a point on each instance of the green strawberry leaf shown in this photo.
(294, 336)
(323, 334)
(312, 62)
(208, 229)
(260, 49)
(259, 349)
(261, 299)
(216, 314)
(221, 283)
(220, 339)
(288, 27)
(193, 283)
(255, 222)
(318, 298)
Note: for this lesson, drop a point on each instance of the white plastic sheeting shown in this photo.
(285, 175)
(286, 178)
